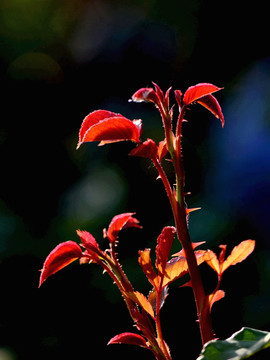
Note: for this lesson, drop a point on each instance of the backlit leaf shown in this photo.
(163, 248)
(211, 103)
(239, 253)
(152, 297)
(128, 338)
(107, 127)
(64, 254)
(216, 296)
(178, 267)
(146, 265)
(93, 252)
(143, 302)
(162, 149)
(148, 149)
(211, 259)
(120, 222)
(194, 245)
(194, 93)
(87, 239)
(94, 118)
(145, 95)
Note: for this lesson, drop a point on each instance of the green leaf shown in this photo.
(241, 345)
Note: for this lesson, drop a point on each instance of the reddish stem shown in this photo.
(177, 202)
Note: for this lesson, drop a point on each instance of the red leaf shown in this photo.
(90, 244)
(163, 248)
(94, 118)
(148, 150)
(178, 97)
(194, 93)
(64, 254)
(107, 127)
(211, 103)
(128, 338)
(87, 239)
(120, 222)
(145, 95)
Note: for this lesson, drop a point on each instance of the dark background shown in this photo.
(60, 60)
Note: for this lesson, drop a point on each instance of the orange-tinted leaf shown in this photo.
(120, 222)
(162, 149)
(194, 245)
(211, 259)
(163, 248)
(147, 150)
(175, 268)
(216, 296)
(178, 267)
(211, 103)
(194, 93)
(128, 338)
(141, 300)
(146, 265)
(239, 253)
(64, 254)
(106, 127)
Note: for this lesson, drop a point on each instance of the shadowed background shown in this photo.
(60, 60)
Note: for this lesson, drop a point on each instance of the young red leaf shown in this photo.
(93, 251)
(163, 248)
(211, 103)
(148, 150)
(87, 239)
(194, 93)
(239, 253)
(145, 95)
(167, 98)
(120, 222)
(94, 118)
(64, 254)
(160, 96)
(162, 149)
(128, 338)
(107, 127)
(178, 97)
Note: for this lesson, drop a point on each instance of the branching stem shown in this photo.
(177, 201)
